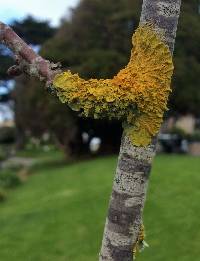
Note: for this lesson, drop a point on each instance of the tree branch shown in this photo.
(27, 61)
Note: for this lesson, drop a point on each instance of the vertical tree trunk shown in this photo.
(124, 217)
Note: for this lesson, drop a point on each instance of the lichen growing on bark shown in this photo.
(137, 95)
(140, 244)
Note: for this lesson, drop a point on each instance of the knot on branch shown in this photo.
(137, 95)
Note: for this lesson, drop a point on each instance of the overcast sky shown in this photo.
(52, 10)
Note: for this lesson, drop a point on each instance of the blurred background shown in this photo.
(59, 212)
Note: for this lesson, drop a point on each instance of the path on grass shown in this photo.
(15, 161)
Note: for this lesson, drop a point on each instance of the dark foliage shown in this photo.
(33, 31)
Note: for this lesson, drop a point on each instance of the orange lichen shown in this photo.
(137, 95)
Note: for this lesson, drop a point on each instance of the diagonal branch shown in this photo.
(27, 61)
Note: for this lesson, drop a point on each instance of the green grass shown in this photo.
(59, 213)
(39, 153)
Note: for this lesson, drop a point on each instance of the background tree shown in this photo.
(5, 62)
(33, 31)
(186, 94)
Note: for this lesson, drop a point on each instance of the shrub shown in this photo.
(7, 135)
(2, 154)
(195, 136)
(2, 195)
(9, 180)
(179, 132)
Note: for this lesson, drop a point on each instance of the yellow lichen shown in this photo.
(137, 95)
(140, 244)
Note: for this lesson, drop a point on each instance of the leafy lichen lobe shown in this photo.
(137, 95)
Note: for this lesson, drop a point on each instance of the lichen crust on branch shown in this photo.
(137, 95)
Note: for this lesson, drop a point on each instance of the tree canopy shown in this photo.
(186, 93)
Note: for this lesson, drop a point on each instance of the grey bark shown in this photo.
(134, 163)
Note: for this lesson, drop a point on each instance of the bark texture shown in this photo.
(126, 205)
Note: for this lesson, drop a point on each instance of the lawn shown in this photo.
(59, 213)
